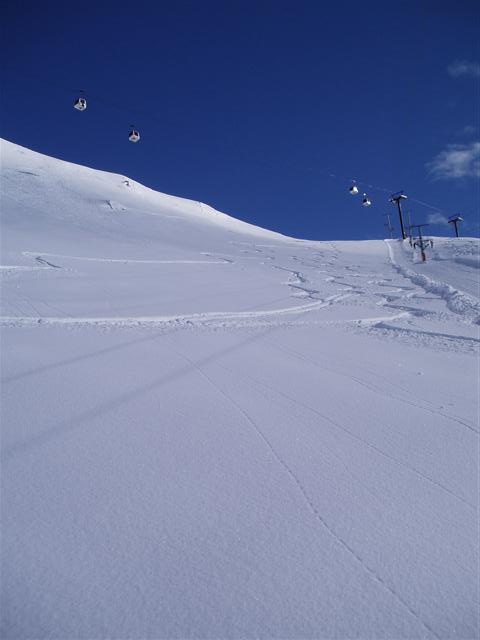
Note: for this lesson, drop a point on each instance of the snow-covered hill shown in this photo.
(210, 430)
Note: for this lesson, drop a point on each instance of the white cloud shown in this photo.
(437, 218)
(461, 68)
(456, 161)
(468, 130)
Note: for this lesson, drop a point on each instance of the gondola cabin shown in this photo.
(80, 104)
(134, 136)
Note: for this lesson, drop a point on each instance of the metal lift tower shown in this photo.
(398, 197)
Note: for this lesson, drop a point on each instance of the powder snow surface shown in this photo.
(214, 431)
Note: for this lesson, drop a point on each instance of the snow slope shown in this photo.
(210, 430)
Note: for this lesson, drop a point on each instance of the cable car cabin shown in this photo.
(80, 104)
(134, 136)
(366, 201)
(353, 190)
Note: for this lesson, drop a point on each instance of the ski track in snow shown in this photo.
(187, 319)
(308, 500)
(365, 442)
(457, 301)
(292, 400)
(13, 267)
(47, 263)
(116, 260)
(221, 319)
(330, 438)
(296, 283)
(374, 388)
(416, 333)
(370, 445)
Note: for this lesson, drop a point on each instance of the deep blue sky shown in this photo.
(249, 106)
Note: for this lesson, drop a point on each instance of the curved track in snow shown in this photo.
(283, 443)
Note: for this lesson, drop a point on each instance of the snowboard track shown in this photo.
(363, 441)
(376, 389)
(309, 502)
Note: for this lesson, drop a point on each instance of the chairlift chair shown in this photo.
(366, 202)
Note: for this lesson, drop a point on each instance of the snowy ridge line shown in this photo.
(457, 301)
(119, 260)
